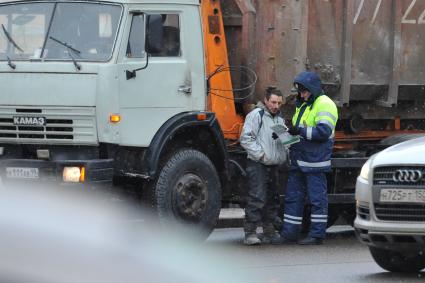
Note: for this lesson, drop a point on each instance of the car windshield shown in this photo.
(58, 31)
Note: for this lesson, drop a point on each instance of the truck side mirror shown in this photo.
(153, 41)
(154, 34)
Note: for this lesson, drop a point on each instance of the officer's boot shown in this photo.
(270, 236)
(251, 237)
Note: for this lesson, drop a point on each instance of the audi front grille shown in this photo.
(400, 212)
(399, 176)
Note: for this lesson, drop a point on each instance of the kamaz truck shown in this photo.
(116, 92)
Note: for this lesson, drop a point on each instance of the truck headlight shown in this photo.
(74, 174)
(364, 173)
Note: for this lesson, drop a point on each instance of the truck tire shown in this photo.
(395, 261)
(188, 191)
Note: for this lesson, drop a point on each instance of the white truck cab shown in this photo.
(68, 60)
(390, 196)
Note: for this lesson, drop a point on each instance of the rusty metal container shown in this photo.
(370, 54)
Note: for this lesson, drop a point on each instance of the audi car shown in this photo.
(390, 199)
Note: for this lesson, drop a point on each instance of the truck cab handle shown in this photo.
(185, 89)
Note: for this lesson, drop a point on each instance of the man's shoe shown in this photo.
(251, 240)
(311, 241)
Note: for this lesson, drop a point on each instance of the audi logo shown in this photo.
(407, 176)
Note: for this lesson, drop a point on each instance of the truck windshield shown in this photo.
(27, 30)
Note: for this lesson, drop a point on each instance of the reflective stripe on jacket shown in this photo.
(317, 123)
(256, 137)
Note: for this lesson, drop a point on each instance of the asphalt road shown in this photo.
(341, 259)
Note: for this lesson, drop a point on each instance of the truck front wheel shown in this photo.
(188, 191)
(396, 261)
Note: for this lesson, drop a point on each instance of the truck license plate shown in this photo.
(21, 173)
(405, 195)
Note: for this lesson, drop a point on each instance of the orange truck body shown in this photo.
(220, 90)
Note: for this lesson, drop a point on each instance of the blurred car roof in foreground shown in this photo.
(59, 236)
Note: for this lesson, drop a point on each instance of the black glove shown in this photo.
(294, 130)
(274, 136)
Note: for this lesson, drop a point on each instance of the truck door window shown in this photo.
(135, 46)
(170, 37)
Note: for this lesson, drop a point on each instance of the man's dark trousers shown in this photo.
(263, 200)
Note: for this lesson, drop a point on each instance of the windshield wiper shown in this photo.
(10, 63)
(11, 39)
(77, 66)
(65, 44)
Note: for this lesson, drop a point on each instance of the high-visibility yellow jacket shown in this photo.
(316, 119)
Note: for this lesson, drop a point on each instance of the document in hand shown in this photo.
(284, 136)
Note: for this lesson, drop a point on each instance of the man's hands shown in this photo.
(274, 136)
(294, 130)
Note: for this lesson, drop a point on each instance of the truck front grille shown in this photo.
(54, 129)
(385, 176)
(400, 212)
(63, 125)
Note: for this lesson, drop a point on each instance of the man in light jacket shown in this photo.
(265, 153)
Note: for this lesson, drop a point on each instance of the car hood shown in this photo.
(408, 152)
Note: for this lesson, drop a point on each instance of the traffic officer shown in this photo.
(265, 153)
(314, 121)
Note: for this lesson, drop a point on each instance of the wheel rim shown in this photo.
(190, 197)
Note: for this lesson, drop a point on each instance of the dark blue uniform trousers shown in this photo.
(299, 185)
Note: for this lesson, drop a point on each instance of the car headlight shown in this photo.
(364, 173)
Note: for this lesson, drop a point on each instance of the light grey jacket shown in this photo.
(258, 141)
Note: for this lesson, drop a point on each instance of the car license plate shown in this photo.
(21, 173)
(402, 195)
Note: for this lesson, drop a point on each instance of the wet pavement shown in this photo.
(341, 259)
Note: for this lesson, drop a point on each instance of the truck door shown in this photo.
(159, 91)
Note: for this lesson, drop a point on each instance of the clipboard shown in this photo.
(282, 132)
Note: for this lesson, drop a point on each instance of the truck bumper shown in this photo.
(97, 171)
